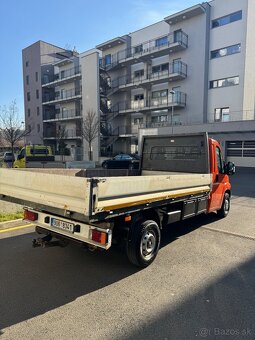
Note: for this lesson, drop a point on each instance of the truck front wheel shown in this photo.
(143, 243)
(224, 210)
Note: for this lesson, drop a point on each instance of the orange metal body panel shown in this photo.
(220, 181)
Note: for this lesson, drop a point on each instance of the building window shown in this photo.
(221, 114)
(161, 41)
(159, 119)
(222, 52)
(160, 68)
(138, 48)
(38, 127)
(27, 80)
(138, 121)
(227, 19)
(37, 94)
(27, 63)
(224, 82)
(139, 73)
(28, 112)
(158, 94)
(38, 110)
(28, 96)
(36, 76)
(139, 96)
(108, 59)
(178, 36)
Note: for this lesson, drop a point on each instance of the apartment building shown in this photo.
(192, 71)
(57, 96)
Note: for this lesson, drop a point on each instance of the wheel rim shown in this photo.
(226, 205)
(148, 244)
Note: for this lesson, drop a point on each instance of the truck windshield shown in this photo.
(22, 153)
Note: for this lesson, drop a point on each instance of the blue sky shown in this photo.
(78, 23)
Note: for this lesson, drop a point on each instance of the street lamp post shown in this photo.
(23, 132)
(172, 112)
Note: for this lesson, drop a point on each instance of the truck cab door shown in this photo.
(219, 181)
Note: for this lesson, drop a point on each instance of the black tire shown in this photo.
(224, 210)
(143, 243)
(104, 165)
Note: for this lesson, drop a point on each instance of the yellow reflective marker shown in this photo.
(16, 228)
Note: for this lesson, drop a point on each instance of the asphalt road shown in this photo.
(202, 284)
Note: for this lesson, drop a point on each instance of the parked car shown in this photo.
(122, 161)
(9, 157)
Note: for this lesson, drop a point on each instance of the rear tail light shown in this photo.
(98, 236)
(30, 215)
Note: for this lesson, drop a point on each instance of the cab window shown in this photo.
(22, 154)
(219, 161)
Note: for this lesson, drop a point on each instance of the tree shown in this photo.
(12, 130)
(90, 129)
(61, 135)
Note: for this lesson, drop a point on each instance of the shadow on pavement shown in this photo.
(34, 281)
(243, 182)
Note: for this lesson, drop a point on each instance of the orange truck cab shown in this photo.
(220, 185)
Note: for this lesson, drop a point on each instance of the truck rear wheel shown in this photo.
(143, 243)
(224, 210)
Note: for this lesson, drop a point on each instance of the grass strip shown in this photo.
(10, 216)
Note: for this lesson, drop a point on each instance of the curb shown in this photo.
(11, 221)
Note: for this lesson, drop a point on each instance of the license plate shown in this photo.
(62, 225)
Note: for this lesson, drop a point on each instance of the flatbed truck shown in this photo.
(180, 176)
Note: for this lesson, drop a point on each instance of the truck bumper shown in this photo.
(74, 231)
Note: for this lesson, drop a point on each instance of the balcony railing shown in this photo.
(177, 70)
(234, 116)
(61, 75)
(178, 38)
(68, 114)
(69, 133)
(63, 95)
(177, 100)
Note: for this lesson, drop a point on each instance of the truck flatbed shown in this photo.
(64, 190)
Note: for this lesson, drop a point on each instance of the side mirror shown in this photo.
(230, 168)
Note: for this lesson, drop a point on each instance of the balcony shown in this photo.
(178, 100)
(177, 71)
(61, 77)
(173, 42)
(65, 115)
(63, 96)
(69, 134)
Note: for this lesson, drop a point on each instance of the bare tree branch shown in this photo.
(61, 135)
(12, 130)
(90, 129)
